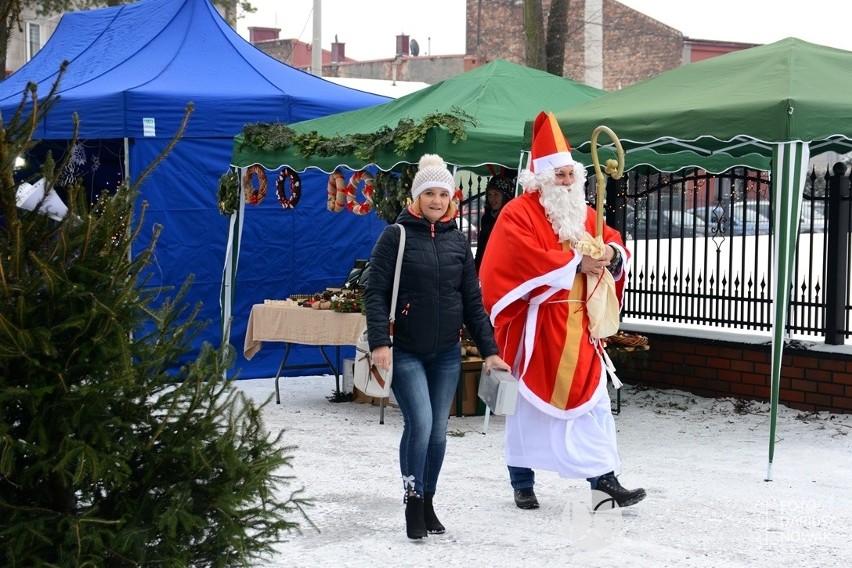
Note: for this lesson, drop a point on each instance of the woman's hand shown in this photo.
(381, 357)
(494, 362)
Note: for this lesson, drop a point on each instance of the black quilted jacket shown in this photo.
(438, 292)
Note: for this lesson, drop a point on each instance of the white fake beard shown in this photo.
(565, 207)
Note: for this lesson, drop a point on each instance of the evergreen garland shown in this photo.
(273, 136)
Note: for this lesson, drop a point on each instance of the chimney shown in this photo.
(338, 51)
(402, 45)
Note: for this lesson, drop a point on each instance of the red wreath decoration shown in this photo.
(351, 202)
(295, 188)
(255, 196)
(336, 192)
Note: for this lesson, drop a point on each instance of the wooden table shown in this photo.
(296, 325)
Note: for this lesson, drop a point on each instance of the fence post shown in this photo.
(615, 201)
(837, 249)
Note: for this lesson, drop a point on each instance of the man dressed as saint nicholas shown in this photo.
(535, 278)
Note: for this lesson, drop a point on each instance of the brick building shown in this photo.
(609, 46)
(626, 45)
(495, 31)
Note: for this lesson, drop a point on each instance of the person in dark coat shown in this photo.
(498, 191)
(438, 296)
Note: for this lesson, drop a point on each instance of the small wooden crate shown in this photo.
(467, 397)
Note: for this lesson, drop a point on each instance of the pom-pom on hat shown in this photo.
(431, 172)
(550, 149)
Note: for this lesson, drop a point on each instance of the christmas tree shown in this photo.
(111, 454)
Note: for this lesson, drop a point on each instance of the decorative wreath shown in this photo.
(336, 192)
(351, 188)
(228, 196)
(392, 192)
(295, 188)
(254, 196)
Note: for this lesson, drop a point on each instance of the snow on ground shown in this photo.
(702, 461)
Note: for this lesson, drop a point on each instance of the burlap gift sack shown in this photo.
(601, 300)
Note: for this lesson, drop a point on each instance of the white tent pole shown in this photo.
(789, 168)
(126, 180)
(232, 258)
(524, 154)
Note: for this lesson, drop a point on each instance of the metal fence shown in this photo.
(702, 250)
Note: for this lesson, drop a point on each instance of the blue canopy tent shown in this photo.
(132, 71)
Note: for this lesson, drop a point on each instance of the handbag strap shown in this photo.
(396, 272)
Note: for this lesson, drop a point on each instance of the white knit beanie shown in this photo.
(431, 172)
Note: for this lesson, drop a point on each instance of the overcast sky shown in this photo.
(369, 27)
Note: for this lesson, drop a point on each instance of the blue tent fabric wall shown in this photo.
(132, 70)
(310, 247)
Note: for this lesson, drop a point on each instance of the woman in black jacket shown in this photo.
(498, 191)
(438, 295)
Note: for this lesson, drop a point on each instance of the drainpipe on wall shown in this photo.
(316, 44)
(593, 37)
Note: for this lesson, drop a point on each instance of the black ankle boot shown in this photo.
(525, 498)
(415, 524)
(624, 497)
(433, 525)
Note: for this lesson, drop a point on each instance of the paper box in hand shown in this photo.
(499, 391)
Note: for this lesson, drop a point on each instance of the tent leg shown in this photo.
(789, 168)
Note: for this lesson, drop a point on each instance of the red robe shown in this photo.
(535, 295)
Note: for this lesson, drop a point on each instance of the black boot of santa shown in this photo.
(608, 483)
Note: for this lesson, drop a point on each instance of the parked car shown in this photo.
(812, 217)
(662, 224)
(748, 219)
(739, 219)
(468, 223)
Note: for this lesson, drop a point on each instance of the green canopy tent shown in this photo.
(777, 104)
(499, 96)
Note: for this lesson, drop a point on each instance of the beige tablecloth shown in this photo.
(275, 322)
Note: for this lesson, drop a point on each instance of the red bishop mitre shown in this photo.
(550, 149)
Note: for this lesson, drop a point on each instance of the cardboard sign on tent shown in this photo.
(779, 103)
(132, 70)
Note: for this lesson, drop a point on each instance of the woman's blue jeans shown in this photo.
(424, 387)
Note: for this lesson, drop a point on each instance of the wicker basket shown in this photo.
(622, 339)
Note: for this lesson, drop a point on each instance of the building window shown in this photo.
(34, 36)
